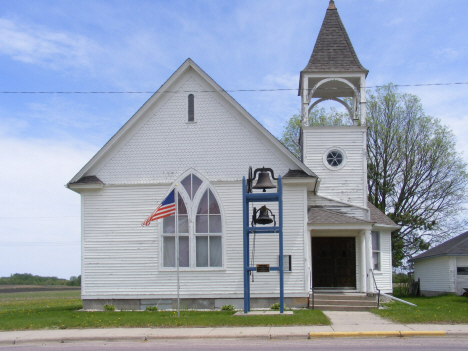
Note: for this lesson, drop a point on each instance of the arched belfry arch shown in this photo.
(352, 110)
(323, 81)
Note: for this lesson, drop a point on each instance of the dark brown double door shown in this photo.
(334, 263)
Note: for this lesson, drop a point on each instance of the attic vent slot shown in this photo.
(191, 108)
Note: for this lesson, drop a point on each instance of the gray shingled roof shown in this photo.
(321, 216)
(333, 50)
(88, 180)
(297, 173)
(378, 217)
(457, 246)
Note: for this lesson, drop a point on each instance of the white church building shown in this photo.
(199, 138)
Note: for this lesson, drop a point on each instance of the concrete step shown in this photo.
(342, 308)
(339, 301)
(344, 296)
(365, 303)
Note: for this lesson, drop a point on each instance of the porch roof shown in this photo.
(319, 215)
(379, 217)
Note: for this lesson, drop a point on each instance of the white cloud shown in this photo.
(396, 21)
(447, 54)
(37, 208)
(283, 81)
(39, 45)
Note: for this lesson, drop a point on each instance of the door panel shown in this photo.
(334, 262)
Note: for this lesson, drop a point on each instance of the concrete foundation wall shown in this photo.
(192, 304)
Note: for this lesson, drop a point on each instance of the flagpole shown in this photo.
(176, 195)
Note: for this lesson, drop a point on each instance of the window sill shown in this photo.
(192, 269)
(194, 122)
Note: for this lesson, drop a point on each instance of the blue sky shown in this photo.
(136, 45)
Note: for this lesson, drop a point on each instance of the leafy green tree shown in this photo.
(74, 281)
(29, 279)
(415, 174)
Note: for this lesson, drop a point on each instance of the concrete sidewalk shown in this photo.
(343, 324)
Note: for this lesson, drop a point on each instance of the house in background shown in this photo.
(444, 268)
(192, 133)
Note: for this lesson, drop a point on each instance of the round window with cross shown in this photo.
(334, 158)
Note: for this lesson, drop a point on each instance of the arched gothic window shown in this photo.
(200, 227)
(208, 232)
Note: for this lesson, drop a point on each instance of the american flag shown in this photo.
(166, 209)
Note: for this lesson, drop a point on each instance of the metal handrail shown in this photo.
(376, 288)
(389, 296)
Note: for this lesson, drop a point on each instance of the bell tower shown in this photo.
(337, 154)
(333, 71)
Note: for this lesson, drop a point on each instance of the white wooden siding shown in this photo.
(220, 144)
(349, 183)
(383, 277)
(293, 244)
(436, 274)
(121, 258)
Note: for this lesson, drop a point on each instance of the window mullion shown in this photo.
(208, 253)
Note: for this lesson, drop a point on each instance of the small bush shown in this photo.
(109, 307)
(227, 308)
(275, 306)
(151, 308)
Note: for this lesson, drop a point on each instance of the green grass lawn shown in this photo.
(58, 310)
(447, 309)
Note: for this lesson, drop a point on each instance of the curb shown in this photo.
(71, 340)
(377, 334)
(143, 338)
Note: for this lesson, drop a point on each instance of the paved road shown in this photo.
(342, 344)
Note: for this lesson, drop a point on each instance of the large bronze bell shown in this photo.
(264, 181)
(263, 218)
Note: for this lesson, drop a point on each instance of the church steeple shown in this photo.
(334, 70)
(333, 50)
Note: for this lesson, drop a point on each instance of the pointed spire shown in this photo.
(333, 50)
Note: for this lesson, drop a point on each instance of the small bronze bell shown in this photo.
(263, 218)
(264, 181)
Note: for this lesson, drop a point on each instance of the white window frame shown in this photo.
(194, 111)
(325, 161)
(378, 251)
(192, 206)
(204, 187)
(288, 259)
